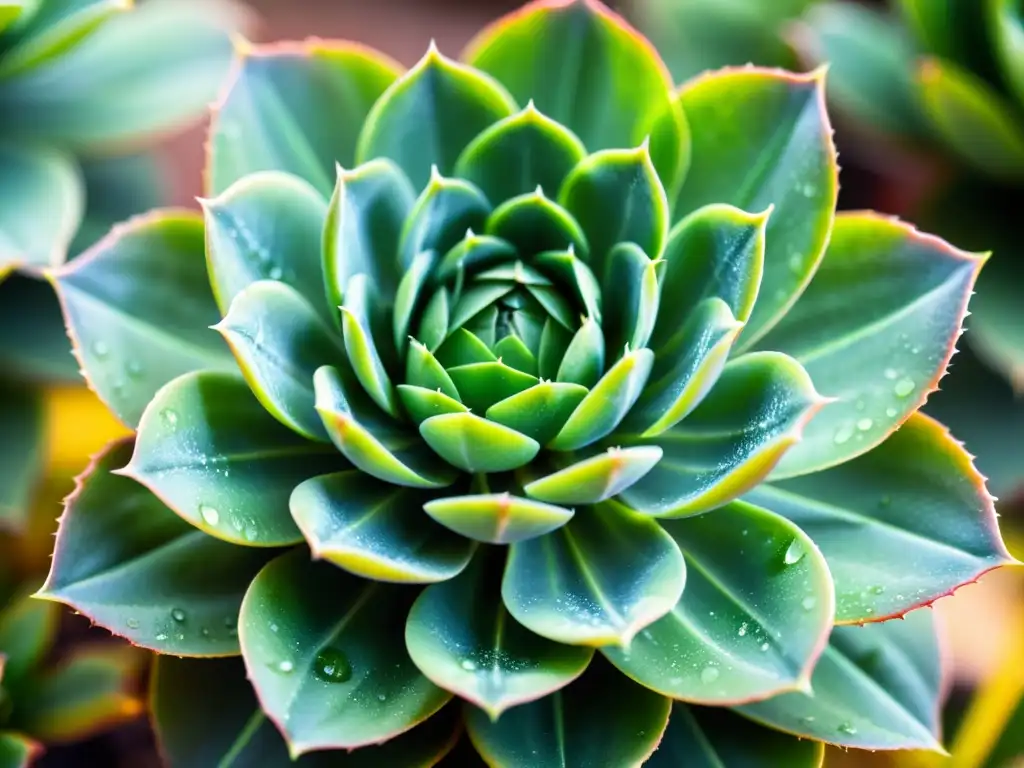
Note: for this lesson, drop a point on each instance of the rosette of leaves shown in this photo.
(543, 400)
(85, 87)
(43, 701)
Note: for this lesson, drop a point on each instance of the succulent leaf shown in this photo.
(497, 518)
(16, 750)
(22, 422)
(597, 478)
(28, 631)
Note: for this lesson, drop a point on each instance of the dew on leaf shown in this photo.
(742, 630)
(865, 424)
(708, 675)
(468, 664)
(903, 387)
(891, 374)
(843, 434)
(764, 647)
(878, 589)
(209, 514)
(134, 369)
(170, 417)
(808, 603)
(332, 666)
(160, 637)
(285, 667)
(847, 728)
(891, 412)
(794, 552)
(178, 615)
(132, 623)
(275, 273)
(100, 349)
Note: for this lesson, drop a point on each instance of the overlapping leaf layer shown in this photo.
(531, 383)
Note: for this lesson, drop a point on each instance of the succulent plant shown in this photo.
(85, 87)
(506, 352)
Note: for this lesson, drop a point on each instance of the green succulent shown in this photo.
(85, 87)
(506, 352)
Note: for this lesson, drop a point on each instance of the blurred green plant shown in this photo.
(552, 340)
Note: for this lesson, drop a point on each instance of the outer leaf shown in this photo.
(995, 334)
(762, 137)
(375, 530)
(28, 631)
(34, 344)
(209, 451)
(13, 12)
(756, 614)
(1007, 30)
(43, 198)
(475, 444)
(324, 652)
(632, 294)
(497, 518)
(593, 73)
(875, 330)
(711, 737)
(206, 713)
(295, 107)
(597, 478)
(446, 210)
(422, 403)
(17, 751)
(734, 438)
(21, 452)
(131, 565)
(92, 690)
(267, 226)
(875, 687)
(535, 224)
(972, 118)
(466, 644)
(137, 306)
(900, 526)
(559, 730)
(596, 581)
(518, 154)
(447, 103)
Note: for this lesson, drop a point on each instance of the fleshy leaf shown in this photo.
(466, 642)
(597, 581)
(422, 369)
(875, 687)
(28, 631)
(518, 154)
(482, 385)
(267, 226)
(422, 403)
(43, 199)
(575, 276)
(376, 530)
(1007, 30)
(445, 102)
(597, 478)
(582, 361)
(206, 713)
(731, 441)
(497, 518)
(755, 616)
(463, 348)
(280, 342)
(900, 526)
(410, 296)
(632, 294)
(540, 411)
(138, 306)
(297, 108)
(762, 137)
(364, 351)
(712, 737)
(475, 444)
(534, 223)
(473, 252)
(559, 731)
(875, 330)
(16, 750)
(211, 452)
(131, 565)
(22, 453)
(446, 210)
(325, 653)
(593, 73)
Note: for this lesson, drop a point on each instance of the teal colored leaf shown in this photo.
(325, 653)
(363, 347)
(558, 730)
(597, 478)
(376, 530)
(575, 277)
(616, 197)
(994, 331)
(211, 452)
(466, 644)
(34, 344)
(433, 324)
(445, 102)
(422, 369)
(422, 403)
(370, 439)
(875, 331)
(582, 359)
(518, 154)
(463, 348)
(296, 108)
(712, 737)
(1006, 27)
(901, 525)
(472, 253)
(482, 385)
(43, 200)
(761, 137)
(875, 687)
(597, 581)
(551, 348)
(477, 299)
(585, 67)
(131, 565)
(409, 297)
(95, 99)
(755, 616)
(534, 223)
(368, 209)
(475, 444)
(206, 713)
(28, 633)
(497, 518)
(279, 342)
(138, 306)
(604, 407)
(632, 294)
(686, 371)
(540, 411)
(446, 210)
(22, 452)
(267, 226)
(731, 441)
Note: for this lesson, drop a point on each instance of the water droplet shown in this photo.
(794, 552)
(100, 349)
(468, 664)
(742, 631)
(132, 623)
(764, 647)
(209, 514)
(915, 350)
(274, 628)
(865, 424)
(890, 373)
(890, 412)
(847, 728)
(795, 261)
(285, 666)
(878, 589)
(230, 621)
(808, 190)
(708, 675)
(205, 632)
(382, 697)
(170, 417)
(903, 387)
(807, 720)
(808, 603)
(178, 615)
(161, 637)
(332, 666)
(843, 434)
(134, 369)
(859, 405)
(275, 273)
